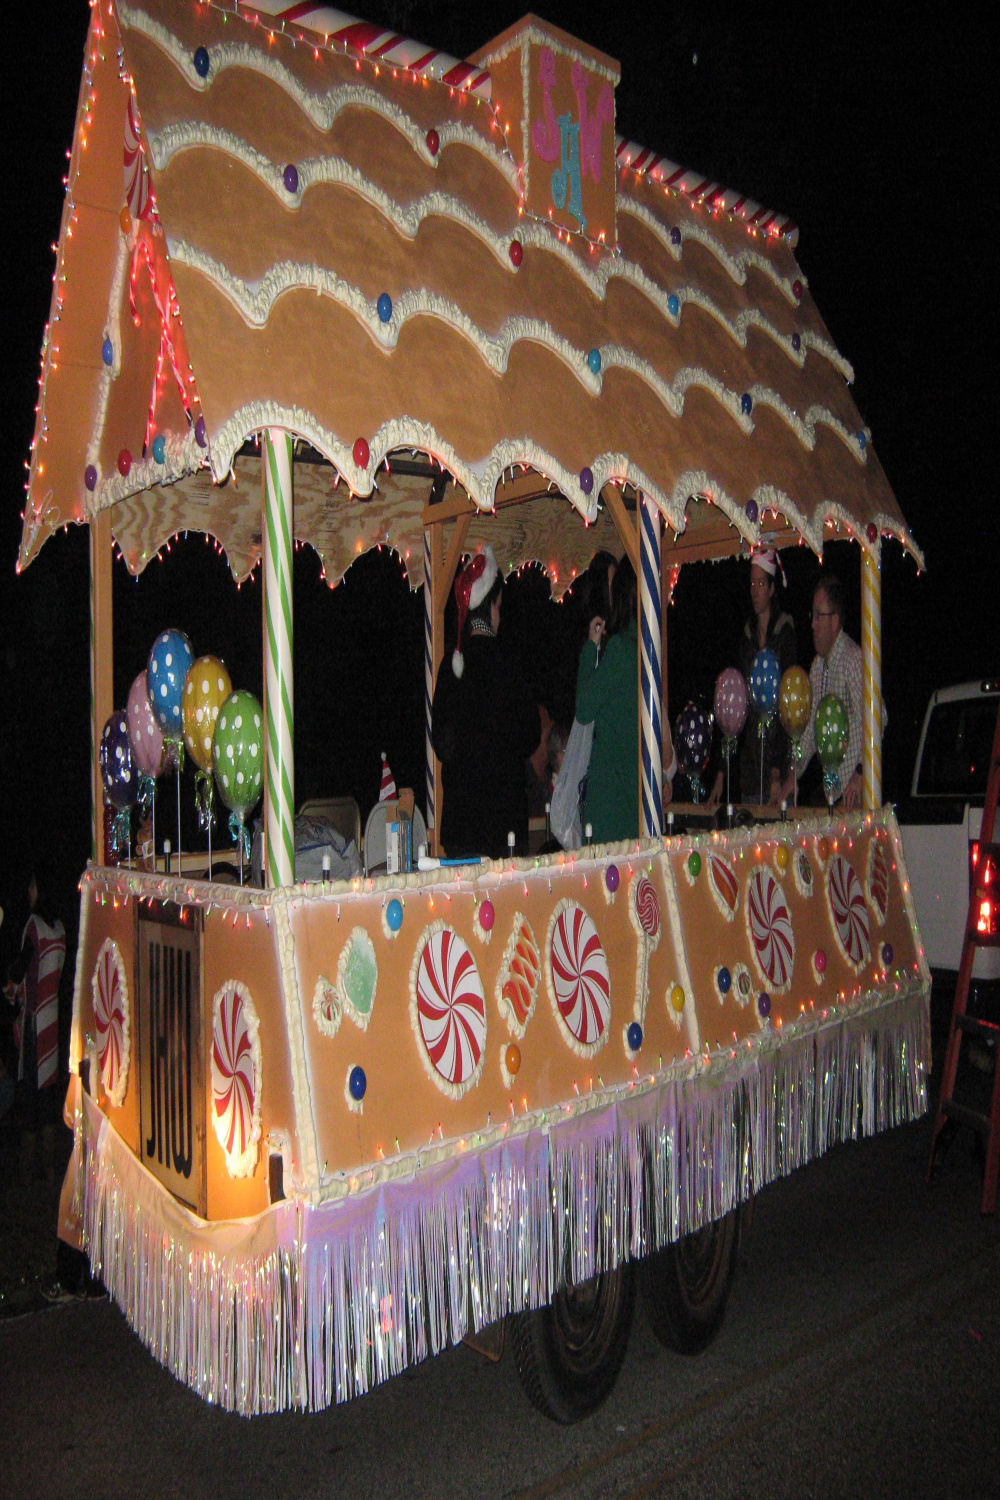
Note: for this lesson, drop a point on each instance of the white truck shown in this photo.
(941, 825)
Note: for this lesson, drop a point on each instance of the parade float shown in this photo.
(318, 283)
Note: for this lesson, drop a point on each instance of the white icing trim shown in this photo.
(321, 109)
(183, 456)
(516, 1027)
(117, 1094)
(361, 1019)
(243, 1164)
(582, 1049)
(325, 997)
(452, 1090)
(305, 1119)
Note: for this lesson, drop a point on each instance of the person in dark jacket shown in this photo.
(484, 725)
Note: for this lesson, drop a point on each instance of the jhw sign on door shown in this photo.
(172, 1091)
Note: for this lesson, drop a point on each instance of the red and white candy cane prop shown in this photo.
(702, 190)
(650, 679)
(380, 45)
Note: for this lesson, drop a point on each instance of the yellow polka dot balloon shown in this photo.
(206, 688)
(794, 702)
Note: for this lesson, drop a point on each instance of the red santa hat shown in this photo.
(471, 587)
(387, 790)
(769, 562)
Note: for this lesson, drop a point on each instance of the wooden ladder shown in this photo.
(982, 930)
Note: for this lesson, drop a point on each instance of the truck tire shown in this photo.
(569, 1354)
(685, 1287)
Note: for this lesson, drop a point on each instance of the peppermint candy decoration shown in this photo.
(724, 886)
(578, 979)
(646, 905)
(448, 1010)
(769, 925)
(111, 1020)
(135, 171)
(851, 922)
(878, 881)
(236, 1077)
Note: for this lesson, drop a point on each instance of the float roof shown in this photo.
(344, 234)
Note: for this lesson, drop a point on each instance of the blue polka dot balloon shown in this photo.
(169, 663)
(120, 778)
(765, 681)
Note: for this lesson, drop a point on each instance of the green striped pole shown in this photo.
(279, 779)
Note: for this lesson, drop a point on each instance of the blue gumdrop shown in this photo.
(886, 955)
(673, 305)
(750, 511)
(384, 306)
(594, 361)
(724, 980)
(675, 236)
(634, 1035)
(290, 177)
(796, 342)
(357, 1083)
(159, 448)
(746, 403)
(202, 62)
(394, 915)
(108, 352)
(862, 440)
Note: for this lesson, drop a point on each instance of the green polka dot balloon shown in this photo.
(831, 731)
(238, 752)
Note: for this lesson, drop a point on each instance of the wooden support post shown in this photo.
(442, 575)
(102, 681)
(871, 651)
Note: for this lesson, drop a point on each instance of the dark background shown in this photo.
(868, 127)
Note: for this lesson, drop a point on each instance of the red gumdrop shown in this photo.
(361, 453)
(124, 462)
(871, 532)
(797, 289)
(433, 142)
(516, 252)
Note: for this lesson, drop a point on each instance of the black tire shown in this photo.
(685, 1287)
(569, 1354)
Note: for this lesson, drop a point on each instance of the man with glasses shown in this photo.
(837, 668)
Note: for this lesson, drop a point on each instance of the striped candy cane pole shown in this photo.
(101, 662)
(428, 678)
(650, 724)
(871, 652)
(279, 777)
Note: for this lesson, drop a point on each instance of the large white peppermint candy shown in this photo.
(851, 922)
(769, 925)
(448, 1010)
(236, 1077)
(578, 979)
(111, 1020)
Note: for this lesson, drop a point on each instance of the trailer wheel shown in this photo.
(685, 1287)
(569, 1354)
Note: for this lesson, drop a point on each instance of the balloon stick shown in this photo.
(178, 815)
(209, 843)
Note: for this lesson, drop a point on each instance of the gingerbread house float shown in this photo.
(322, 1131)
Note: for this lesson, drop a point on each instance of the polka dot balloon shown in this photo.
(238, 752)
(206, 688)
(117, 772)
(169, 663)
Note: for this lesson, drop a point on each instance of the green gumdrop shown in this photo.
(694, 864)
(360, 974)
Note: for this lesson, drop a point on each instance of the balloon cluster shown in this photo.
(175, 704)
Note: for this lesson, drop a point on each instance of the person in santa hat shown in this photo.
(484, 725)
(766, 625)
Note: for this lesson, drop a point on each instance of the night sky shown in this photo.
(867, 125)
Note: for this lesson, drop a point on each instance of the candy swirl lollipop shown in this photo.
(644, 914)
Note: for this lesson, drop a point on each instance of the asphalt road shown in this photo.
(861, 1352)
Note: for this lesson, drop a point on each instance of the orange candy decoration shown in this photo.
(512, 1059)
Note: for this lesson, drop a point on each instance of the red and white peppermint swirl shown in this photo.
(111, 1020)
(724, 886)
(647, 906)
(136, 173)
(236, 1077)
(579, 981)
(851, 922)
(769, 925)
(449, 1009)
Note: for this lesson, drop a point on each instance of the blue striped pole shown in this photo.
(428, 677)
(279, 755)
(650, 638)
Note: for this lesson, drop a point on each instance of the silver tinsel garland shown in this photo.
(307, 1305)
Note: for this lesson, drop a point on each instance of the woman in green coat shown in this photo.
(607, 696)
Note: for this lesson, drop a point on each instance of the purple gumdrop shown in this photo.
(290, 178)
(764, 1004)
(90, 477)
(586, 480)
(200, 435)
(750, 511)
(611, 878)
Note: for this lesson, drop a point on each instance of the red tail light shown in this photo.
(985, 885)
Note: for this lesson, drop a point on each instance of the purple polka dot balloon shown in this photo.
(118, 774)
